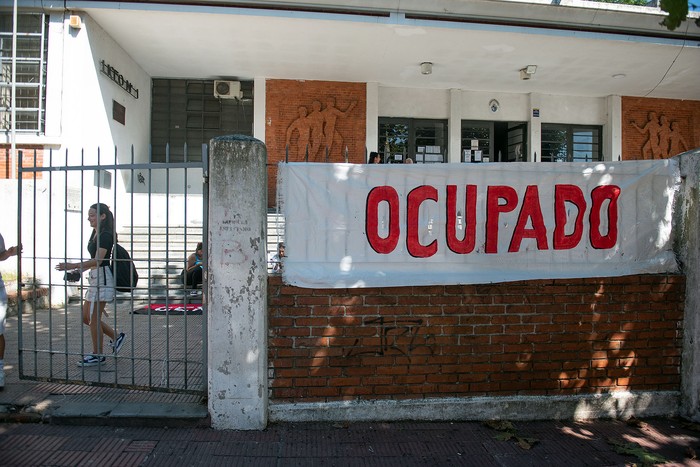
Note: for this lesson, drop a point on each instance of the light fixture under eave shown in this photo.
(528, 71)
(619, 76)
(426, 68)
(75, 22)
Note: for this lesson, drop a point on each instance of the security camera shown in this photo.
(494, 105)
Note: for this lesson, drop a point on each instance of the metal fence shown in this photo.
(160, 214)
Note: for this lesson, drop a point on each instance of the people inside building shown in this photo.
(374, 158)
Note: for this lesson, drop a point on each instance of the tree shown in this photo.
(677, 13)
(677, 10)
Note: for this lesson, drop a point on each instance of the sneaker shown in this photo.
(117, 346)
(91, 360)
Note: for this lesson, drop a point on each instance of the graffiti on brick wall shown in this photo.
(316, 131)
(400, 336)
(664, 137)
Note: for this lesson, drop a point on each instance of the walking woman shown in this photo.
(100, 283)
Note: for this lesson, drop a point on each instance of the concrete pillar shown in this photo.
(259, 105)
(372, 119)
(454, 131)
(687, 241)
(612, 135)
(534, 147)
(237, 283)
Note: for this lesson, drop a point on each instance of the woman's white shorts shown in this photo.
(101, 285)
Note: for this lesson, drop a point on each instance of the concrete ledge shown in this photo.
(32, 298)
(130, 414)
(619, 405)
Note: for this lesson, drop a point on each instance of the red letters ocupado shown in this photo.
(500, 199)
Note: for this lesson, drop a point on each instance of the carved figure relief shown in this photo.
(664, 138)
(316, 131)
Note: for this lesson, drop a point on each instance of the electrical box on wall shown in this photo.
(227, 89)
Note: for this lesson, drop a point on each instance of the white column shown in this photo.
(612, 135)
(259, 124)
(237, 284)
(454, 126)
(534, 153)
(372, 119)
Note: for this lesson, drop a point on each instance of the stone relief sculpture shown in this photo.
(678, 143)
(664, 138)
(330, 116)
(316, 130)
(301, 125)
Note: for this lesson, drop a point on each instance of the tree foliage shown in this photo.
(677, 10)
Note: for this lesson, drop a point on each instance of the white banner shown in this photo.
(436, 224)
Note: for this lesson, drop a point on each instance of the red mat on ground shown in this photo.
(170, 309)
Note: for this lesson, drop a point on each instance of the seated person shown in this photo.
(192, 274)
(276, 259)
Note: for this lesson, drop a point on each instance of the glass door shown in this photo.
(422, 140)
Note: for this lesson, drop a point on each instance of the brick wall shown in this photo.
(29, 153)
(684, 116)
(284, 99)
(547, 337)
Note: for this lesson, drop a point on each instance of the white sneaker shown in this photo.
(117, 346)
(91, 360)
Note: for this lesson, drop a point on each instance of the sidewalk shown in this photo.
(38, 401)
(598, 443)
(56, 424)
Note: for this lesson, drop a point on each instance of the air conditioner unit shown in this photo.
(227, 89)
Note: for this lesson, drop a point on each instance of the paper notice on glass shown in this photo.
(475, 144)
(466, 155)
(477, 156)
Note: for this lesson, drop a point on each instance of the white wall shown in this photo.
(79, 130)
(88, 94)
(414, 103)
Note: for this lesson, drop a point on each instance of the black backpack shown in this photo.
(126, 275)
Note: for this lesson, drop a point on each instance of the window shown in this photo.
(424, 141)
(186, 112)
(497, 141)
(476, 136)
(571, 143)
(32, 49)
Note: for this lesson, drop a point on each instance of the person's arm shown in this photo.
(84, 265)
(12, 251)
(191, 262)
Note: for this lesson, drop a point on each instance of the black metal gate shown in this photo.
(160, 212)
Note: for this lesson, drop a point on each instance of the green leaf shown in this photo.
(504, 436)
(633, 449)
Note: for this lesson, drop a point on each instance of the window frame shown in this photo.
(409, 148)
(37, 81)
(185, 114)
(571, 143)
